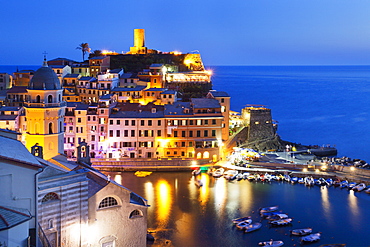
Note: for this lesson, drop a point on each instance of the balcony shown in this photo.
(44, 105)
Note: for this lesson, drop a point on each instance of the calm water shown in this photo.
(313, 104)
(190, 216)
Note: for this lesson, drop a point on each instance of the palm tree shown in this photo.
(84, 47)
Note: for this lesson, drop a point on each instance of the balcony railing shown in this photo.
(35, 105)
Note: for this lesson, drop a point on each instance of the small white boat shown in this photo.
(308, 181)
(351, 185)
(239, 176)
(242, 225)
(238, 220)
(245, 175)
(269, 209)
(277, 217)
(367, 190)
(301, 180)
(252, 227)
(196, 172)
(294, 180)
(359, 187)
(230, 174)
(301, 232)
(281, 222)
(218, 173)
(311, 238)
(271, 243)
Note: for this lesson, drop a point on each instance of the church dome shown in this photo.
(45, 79)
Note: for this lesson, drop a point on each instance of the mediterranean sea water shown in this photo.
(313, 104)
(184, 215)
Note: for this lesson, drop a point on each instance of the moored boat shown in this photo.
(271, 243)
(277, 217)
(218, 173)
(253, 227)
(269, 209)
(242, 225)
(301, 232)
(351, 185)
(329, 182)
(196, 172)
(281, 222)
(238, 220)
(142, 174)
(359, 187)
(309, 181)
(344, 184)
(311, 238)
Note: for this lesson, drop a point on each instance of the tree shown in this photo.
(84, 47)
(95, 53)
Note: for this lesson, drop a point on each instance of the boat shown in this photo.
(271, 243)
(239, 176)
(301, 180)
(245, 175)
(269, 209)
(277, 217)
(344, 184)
(218, 173)
(252, 227)
(287, 178)
(336, 183)
(309, 181)
(322, 181)
(313, 237)
(294, 180)
(142, 174)
(301, 232)
(329, 182)
(242, 225)
(238, 220)
(351, 185)
(196, 172)
(333, 245)
(359, 187)
(267, 214)
(230, 174)
(281, 222)
(198, 183)
(367, 190)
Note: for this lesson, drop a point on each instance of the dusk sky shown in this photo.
(233, 32)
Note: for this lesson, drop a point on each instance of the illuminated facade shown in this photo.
(139, 42)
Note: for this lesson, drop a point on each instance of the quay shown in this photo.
(314, 169)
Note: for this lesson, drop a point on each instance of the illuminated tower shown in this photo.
(139, 42)
(45, 112)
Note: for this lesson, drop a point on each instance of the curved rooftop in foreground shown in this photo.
(44, 79)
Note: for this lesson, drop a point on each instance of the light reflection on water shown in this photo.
(186, 215)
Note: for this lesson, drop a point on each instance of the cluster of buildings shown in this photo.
(58, 119)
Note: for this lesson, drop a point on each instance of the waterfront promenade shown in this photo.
(267, 163)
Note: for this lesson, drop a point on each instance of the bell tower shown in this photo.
(44, 109)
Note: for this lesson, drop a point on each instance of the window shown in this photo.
(125, 133)
(108, 202)
(159, 122)
(136, 214)
(142, 122)
(79, 120)
(126, 122)
(159, 133)
(213, 132)
(50, 197)
(206, 122)
(190, 133)
(222, 100)
(111, 122)
(132, 133)
(132, 122)
(199, 122)
(183, 133)
(175, 133)
(118, 133)
(213, 121)
(110, 133)
(118, 122)
(93, 138)
(206, 133)
(150, 122)
(198, 133)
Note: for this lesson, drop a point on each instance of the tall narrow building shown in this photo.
(44, 111)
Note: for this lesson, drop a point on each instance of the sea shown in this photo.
(313, 105)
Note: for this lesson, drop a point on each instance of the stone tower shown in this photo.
(139, 42)
(44, 111)
(259, 123)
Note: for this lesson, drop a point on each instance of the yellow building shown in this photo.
(44, 111)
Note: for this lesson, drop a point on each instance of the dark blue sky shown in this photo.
(233, 32)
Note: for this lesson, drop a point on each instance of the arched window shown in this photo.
(50, 128)
(108, 202)
(50, 223)
(199, 155)
(38, 99)
(50, 99)
(50, 197)
(206, 155)
(136, 214)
